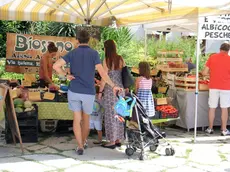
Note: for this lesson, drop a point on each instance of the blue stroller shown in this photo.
(139, 131)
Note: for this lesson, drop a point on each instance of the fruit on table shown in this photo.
(176, 65)
(166, 109)
(18, 110)
(27, 104)
(18, 102)
(206, 82)
(171, 64)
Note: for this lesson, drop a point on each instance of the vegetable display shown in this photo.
(159, 95)
(22, 106)
(166, 109)
(206, 82)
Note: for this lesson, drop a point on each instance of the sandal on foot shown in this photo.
(97, 142)
(79, 151)
(118, 144)
(109, 146)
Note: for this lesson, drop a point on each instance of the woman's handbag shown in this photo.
(127, 78)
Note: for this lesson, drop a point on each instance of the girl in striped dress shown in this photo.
(143, 88)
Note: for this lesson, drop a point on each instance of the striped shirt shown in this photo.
(145, 83)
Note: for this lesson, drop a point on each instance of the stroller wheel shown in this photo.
(153, 148)
(129, 151)
(168, 152)
(172, 151)
(134, 148)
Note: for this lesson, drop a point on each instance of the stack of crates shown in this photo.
(28, 125)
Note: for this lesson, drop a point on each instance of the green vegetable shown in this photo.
(18, 110)
(18, 103)
(159, 95)
(27, 104)
(29, 109)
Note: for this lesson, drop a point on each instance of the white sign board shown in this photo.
(216, 28)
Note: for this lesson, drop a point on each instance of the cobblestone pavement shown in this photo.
(53, 153)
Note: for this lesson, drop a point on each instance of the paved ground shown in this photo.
(210, 153)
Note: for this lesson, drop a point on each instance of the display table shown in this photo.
(184, 101)
(51, 110)
(54, 110)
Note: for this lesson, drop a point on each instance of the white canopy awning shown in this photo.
(103, 12)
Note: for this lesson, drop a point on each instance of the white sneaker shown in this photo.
(225, 133)
(209, 131)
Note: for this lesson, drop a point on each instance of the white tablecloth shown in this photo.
(185, 103)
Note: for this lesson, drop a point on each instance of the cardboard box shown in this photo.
(161, 101)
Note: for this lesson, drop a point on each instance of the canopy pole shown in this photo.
(145, 30)
(197, 76)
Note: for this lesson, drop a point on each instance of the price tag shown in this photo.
(26, 83)
(162, 89)
(49, 96)
(162, 101)
(34, 96)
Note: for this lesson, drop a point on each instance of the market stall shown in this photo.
(185, 102)
(177, 87)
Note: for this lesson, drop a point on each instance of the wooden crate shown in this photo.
(186, 79)
(170, 52)
(169, 59)
(166, 68)
(185, 83)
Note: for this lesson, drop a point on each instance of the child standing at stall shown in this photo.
(96, 118)
(143, 87)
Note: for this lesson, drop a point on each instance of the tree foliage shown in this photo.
(23, 27)
(62, 29)
(131, 50)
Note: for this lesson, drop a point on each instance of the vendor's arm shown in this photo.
(59, 64)
(46, 76)
(58, 67)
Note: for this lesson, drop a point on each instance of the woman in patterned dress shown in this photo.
(113, 64)
(143, 88)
